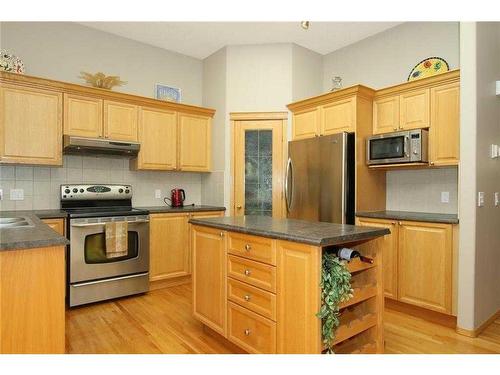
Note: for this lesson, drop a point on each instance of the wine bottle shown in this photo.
(349, 254)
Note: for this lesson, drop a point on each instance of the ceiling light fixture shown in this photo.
(305, 25)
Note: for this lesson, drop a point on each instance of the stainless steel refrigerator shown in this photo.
(319, 181)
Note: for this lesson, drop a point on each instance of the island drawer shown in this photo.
(252, 247)
(255, 299)
(258, 274)
(251, 331)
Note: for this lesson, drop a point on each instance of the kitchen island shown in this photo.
(256, 282)
(32, 282)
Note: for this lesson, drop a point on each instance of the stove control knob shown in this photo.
(75, 190)
(67, 191)
(81, 190)
(127, 191)
(120, 190)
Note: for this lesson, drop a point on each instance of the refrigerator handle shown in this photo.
(289, 184)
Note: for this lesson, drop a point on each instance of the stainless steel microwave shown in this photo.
(410, 146)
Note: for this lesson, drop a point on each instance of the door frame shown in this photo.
(260, 116)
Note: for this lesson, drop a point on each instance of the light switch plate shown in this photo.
(16, 194)
(497, 198)
(480, 199)
(445, 197)
(158, 193)
(494, 151)
(1, 194)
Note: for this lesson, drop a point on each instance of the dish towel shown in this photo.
(116, 239)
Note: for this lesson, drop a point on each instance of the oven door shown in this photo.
(388, 148)
(88, 260)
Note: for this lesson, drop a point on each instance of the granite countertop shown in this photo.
(190, 208)
(309, 232)
(36, 236)
(41, 214)
(415, 216)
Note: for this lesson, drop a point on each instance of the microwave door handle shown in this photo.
(407, 146)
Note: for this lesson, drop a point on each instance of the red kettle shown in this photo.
(178, 197)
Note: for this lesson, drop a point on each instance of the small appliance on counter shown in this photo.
(409, 146)
(177, 198)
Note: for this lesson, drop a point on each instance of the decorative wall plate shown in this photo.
(429, 67)
(168, 93)
(10, 62)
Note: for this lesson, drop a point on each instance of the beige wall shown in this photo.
(487, 266)
(60, 50)
(214, 96)
(387, 58)
(307, 73)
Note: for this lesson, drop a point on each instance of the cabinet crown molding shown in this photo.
(358, 90)
(72, 88)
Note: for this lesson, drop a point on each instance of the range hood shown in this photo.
(98, 146)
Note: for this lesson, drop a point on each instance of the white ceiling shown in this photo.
(201, 39)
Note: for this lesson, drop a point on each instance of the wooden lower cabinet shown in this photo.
(32, 304)
(418, 262)
(209, 278)
(425, 265)
(389, 248)
(170, 249)
(169, 246)
(56, 224)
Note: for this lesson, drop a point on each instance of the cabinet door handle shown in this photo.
(247, 332)
(247, 272)
(222, 234)
(394, 128)
(248, 247)
(238, 207)
(399, 223)
(247, 297)
(431, 163)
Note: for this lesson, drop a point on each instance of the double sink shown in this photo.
(15, 222)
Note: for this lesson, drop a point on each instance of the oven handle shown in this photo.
(108, 280)
(96, 224)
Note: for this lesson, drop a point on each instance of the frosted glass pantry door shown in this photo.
(258, 158)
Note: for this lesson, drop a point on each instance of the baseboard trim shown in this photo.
(423, 313)
(167, 283)
(477, 331)
(216, 335)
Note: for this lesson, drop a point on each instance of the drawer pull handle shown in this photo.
(247, 297)
(247, 332)
(247, 272)
(248, 247)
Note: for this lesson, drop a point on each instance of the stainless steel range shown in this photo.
(93, 274)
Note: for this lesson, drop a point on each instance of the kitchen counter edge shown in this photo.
(411, 216)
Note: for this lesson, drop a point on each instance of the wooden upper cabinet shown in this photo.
(209, 277)
(339, 116)
(82, 116)
(306, 123)
(195, 135)
(158, 139)
(169, 254)
(120, 121)
(425, 265)
(388, 246)
(30, 125)
(414, 109)
(386, 115)
(444, 137)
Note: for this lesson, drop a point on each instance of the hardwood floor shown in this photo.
(161, 322)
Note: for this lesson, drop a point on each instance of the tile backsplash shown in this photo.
(420, 190)
(41, 184)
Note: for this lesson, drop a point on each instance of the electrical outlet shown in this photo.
(497, 198)
(16, 194)
(445, 197)
(157, 193)
(1, 194)
(480, 199)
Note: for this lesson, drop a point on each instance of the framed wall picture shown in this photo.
(167, 93)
